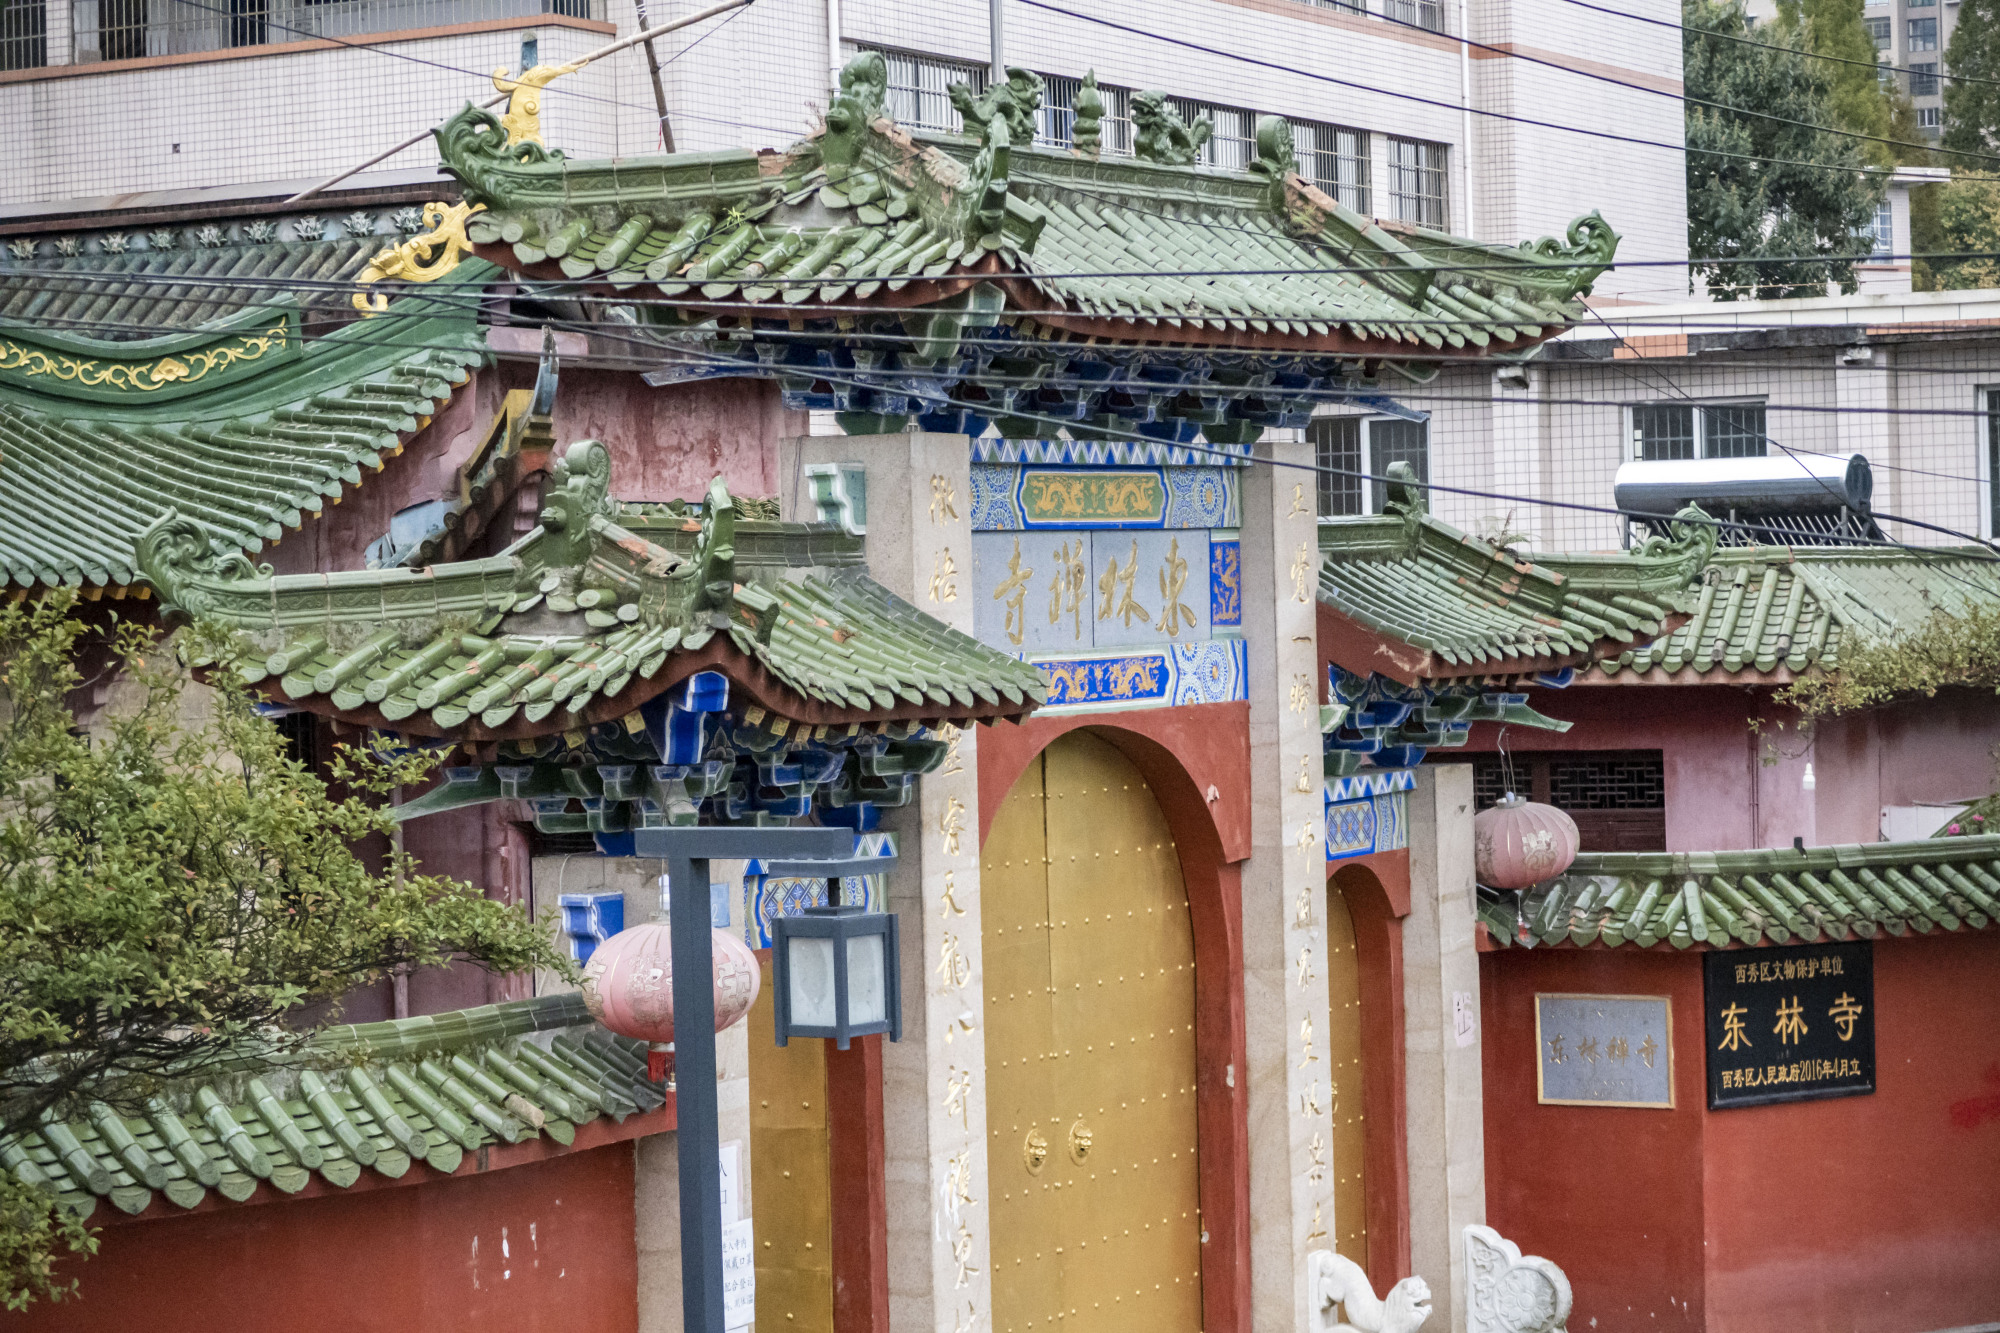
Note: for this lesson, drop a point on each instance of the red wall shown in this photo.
(1612, 1195)
(544, 1245)
(1723, 796)
(1873, 1214)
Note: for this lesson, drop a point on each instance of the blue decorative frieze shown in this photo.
(1368, 812)
(1391, 725)
(589, 919)
(1110, 453)
(1008, 497)
(1215, 671)
(767, 897)
(1225, 581)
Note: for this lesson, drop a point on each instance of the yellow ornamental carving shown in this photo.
(523, 118)
(425, 257)
(141, 377)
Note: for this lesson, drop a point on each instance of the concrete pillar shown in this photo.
(1521, 454)
(919, 533)
(1284, 892)
(1446, 1128)
(1864, 386)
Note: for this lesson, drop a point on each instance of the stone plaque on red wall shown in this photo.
(1605, 1050)
(1789, 1025)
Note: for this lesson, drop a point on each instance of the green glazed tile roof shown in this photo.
(591, 614)
(1723, 899)
(1774, 612)
(279, 435)
(862, 212)
(144, 293)
(1473, 609)
(372, 1097)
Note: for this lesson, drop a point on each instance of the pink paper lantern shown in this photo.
(1517, 843)
(628, 986)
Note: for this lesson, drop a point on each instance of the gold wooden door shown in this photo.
(1090, 1053)
(791, 1195)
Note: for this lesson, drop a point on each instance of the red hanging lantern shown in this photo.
(628, 986)
(1517, 843)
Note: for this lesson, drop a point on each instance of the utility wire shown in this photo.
(1685, 99)
(1774, 46)
(1454, 106)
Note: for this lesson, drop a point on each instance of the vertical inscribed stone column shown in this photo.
(1284, 890)
(1446, 1125)
(919, 535)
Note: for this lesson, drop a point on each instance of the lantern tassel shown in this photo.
(659, 1061)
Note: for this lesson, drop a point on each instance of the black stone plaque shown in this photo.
(1789, 1025)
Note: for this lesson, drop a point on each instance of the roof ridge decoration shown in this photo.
(748, 665)
(370, 1097)
(1773, 614)
(1754, 897)
(425, 257)
(1160, 135)
(1414, 598)
(174, 365)
(242, 458)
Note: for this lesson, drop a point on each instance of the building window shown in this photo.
(24, 42)
(1422, 13)
(1356, 445)
(1335, 159)
(1885, 229)
(1667, 431)
(1879, 30)
(1618, 798)
(1922, 35)
(920, 91)
(1930, 118)
(1417, 182)
(1055, 121)
(1923, 79)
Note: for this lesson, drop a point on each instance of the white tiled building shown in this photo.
(115, 97)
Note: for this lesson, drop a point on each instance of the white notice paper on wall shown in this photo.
(1464, 1018)
(732, 1181)
(739, 1275)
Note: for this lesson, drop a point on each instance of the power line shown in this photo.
(1452, 106)
(1773, 46)
(1690, 101)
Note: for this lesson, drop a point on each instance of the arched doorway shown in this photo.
(1090, 1053)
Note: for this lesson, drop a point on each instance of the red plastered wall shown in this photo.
(1870, 1214)
(1614, 1195)
(544, 1245)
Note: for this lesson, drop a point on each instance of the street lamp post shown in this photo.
(687, 852)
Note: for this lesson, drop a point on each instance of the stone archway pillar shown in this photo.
(919, 543)
(1442, 1028)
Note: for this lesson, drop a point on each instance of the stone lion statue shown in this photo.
(1333, 1279)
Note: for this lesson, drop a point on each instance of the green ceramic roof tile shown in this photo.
(1773, 613)
(241, 428)
(587, 617)
(1750, 898)
(1471, 609)
(861, 210)
(144, 293)
(369, 1097)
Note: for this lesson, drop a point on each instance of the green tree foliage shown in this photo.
(1956, 648)
(1961, 218)
(172, 887)
(1972, 95)
(1856, 100)
(1771, 188)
